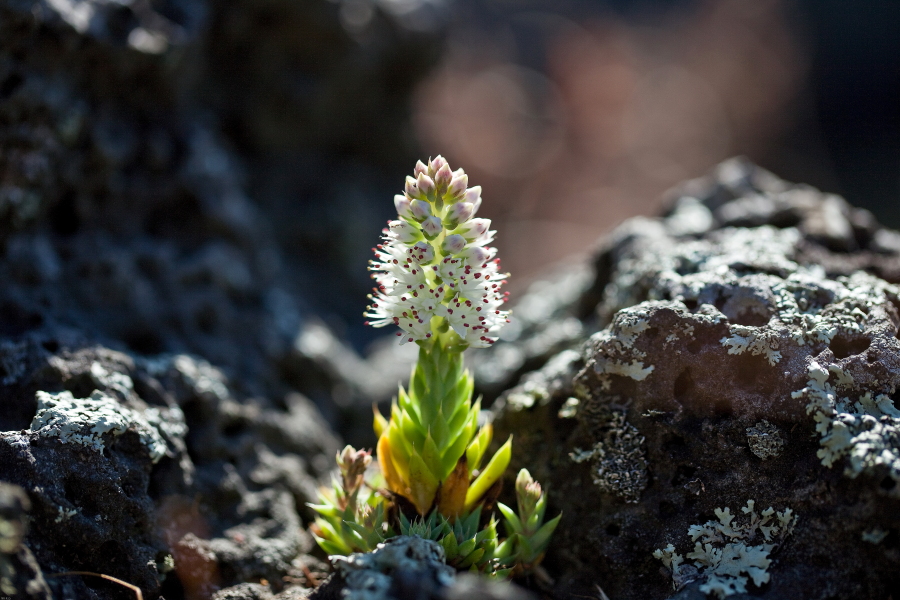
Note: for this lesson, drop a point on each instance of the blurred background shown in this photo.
(574, 115)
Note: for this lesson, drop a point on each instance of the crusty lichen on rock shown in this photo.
(90, 422)
(619, 462)
(866, 431)
(728, 554)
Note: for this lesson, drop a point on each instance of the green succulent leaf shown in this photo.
(451, 548)
(491, 473)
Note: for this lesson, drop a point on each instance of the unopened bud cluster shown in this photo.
(434, 262)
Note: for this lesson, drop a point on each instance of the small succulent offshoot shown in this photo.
(441, 284)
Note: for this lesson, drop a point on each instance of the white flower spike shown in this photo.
(450, 280)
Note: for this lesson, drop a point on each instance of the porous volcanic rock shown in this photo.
(748, 352)
(163, 369)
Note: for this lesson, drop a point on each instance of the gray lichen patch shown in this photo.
(730, 553)
(865, 431)
(765, 440)
(618, 460)
(92, 422)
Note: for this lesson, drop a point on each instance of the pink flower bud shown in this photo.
(420, 168)
(476, 254)
(404, 232)
(474, 229)
(528, 493)
(437, 163)
(459, 213)
(432, 227)
(453, 244)
(420, 209)
(401, 203)
(443, 177)
(458, 185)
(411, 190)
(425, 184)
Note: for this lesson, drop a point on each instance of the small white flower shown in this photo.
(404, 232)
(458, 280)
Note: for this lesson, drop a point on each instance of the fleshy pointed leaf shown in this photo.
(432, 457)
(540, 539)
(439, 431)
(379, 423)
(450, 545)
(513, 524)
(475, 451)
(472, 558)
(491, 473)
(466, 547)
(422, 484)
(392, 477)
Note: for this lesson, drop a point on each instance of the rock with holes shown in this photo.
(746, 349)
(157, 472)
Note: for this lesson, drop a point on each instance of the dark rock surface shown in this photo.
(163, 364)
(409, 567)
(749, 351)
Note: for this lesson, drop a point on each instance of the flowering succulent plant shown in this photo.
(440, 283)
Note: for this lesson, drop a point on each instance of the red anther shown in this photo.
(463, 316)
(430, 291)
(404, 314)
(450, 311)
(478, 309)
(468, 303)
(366, 323)
(496, 312)
(403, 299)
(399, 333)
(413, 271)
(409, 340)
(427, 335)
(486, 277)
(421, 286)
(434, 267)
(465, 324)
(396, 262)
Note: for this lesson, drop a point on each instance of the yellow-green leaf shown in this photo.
(422, 484)
(491, 473)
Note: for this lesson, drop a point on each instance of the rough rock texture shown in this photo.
(749, 351)
(167, 199)
(408, 567)
(150, 464)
